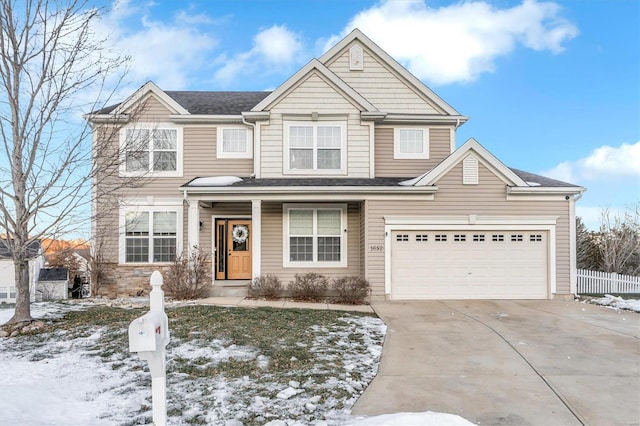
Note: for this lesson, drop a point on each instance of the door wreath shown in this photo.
(240, 233)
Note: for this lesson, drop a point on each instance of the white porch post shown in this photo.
(193, 225)
(256, 230)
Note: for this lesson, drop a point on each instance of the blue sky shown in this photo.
(551, 87)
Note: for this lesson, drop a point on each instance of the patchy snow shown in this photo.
(532, 183)
(618, 302)
(215, 181)
(73, 381)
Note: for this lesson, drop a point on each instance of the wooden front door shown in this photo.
(238, 249)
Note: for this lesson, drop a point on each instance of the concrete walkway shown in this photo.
(509, 362)
(287, 304)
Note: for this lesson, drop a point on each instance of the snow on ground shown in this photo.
(56, 379)
(617, 302)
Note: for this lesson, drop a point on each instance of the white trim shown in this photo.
(213, 119)
(150, 87)
(151, 127)
(452, 139)
(299, 76)
(399, 155)
(257, 150)
(256, 242)
(193, 227)
(545, 190)
(573, 273)
(287, 124)
(388, 60)
(372, 149)
(221, 153)
(304, 197)
(344, 240)
(485, 156)
(152, 206)
(462, 223)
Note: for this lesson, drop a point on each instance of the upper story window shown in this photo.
(154, 150)
(315, 147)
(411, 143)
(234, 142)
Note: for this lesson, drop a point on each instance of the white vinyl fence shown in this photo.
(604, 282)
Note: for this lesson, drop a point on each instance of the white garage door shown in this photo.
(469, 265)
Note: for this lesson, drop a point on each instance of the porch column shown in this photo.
(256, 244)
(193, 237)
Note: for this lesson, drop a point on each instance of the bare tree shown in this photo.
(51, 60)
(619, 241)
(96, 264)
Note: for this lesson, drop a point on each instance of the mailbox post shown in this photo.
(149, 336)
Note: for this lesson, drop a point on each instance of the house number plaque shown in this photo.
(376, 248)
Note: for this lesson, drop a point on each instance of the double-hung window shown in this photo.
(315, 147)
(150, 235)
(233, 142)
(153, 150)
(314, 236)
(411, 143)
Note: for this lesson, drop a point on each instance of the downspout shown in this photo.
(573, 244)
(255, 145)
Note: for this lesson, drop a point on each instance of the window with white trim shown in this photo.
(313, 235)
(233, 142)
(150, 234)
(411, 143)
(317, 147)
(151, 149)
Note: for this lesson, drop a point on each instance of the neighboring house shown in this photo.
(350, 167)
(7, 270)
(53, 284)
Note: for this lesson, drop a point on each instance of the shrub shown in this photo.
(351, 290)
(188, 276)
(267, 286)
(309, 287)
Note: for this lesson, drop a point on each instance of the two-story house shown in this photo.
(350, 167)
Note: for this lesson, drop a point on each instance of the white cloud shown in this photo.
(603, 162)
(459, 42)
(274, 49)
(167, 52)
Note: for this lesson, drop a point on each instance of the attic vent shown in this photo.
(470, 170)
(356, 58)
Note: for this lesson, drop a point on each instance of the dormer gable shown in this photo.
(381, 79)
(315, 67)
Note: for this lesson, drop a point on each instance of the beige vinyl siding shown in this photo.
(314, 95)
(199, 159)
(380, 85)
(386, 166)
(150, 110)
(272, 250)
(455, 199)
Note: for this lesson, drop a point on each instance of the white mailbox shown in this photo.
(148, 333)
(149, 336)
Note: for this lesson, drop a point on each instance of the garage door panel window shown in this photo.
(459, 237)
(441, 237)
(535, 238)
(315, 236)
(516, 237)
(478, 237)
(497, 237)
(422, 238)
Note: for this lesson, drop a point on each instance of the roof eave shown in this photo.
(309, 189)
(545, 190)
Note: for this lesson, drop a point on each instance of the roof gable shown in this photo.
(409, 79)
(484, 156)
(314, 66)
(151, 88)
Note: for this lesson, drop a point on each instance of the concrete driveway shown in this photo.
(509, 362)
